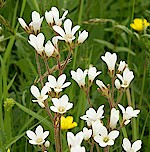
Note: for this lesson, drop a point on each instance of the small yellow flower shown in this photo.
(139, 24)
(67, 123)
(8, 150)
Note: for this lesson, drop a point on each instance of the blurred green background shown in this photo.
(108, 24)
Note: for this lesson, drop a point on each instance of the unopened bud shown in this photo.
(9, 103)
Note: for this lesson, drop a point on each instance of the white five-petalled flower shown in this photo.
(61, 105)
(92, 115)
(58, 84)
(68, 34)
(136, 146)
(110, 60)
(128, 113)
(37, 42)
(126, 78)
(37, 138)
(79, 76)
(104, 138)
(40, 96)
(35, 25)
(92, 73)
(53, 16)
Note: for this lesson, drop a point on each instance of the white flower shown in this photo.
(136, 146)
(35, 25)
(74, 140)
(128, 113)
(79, 76)
(49, 49)
(127, 77)
(105, 139)
(82, 36)
(122, 66)
(61, 105)
(87, 133)
(102, 88)
(96, 126)
(68, 34)
(37, 138)
(37, 42)
(53, 15)
(40, 96)
(92, 115)
(77, 149)
(110, 60)
(58, 84)
(117, 84)
(92, 73)
(114, 117)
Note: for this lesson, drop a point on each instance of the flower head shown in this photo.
(126, 78)
(139, 24)
(110, 60)
(53, 16)
(82, 36)
(37, 42)
(67, 123)
(35, 25)
(61, 105)
(92, 73)
(114, 117)
(136, 146)
(104, 138)
(37, 138)
(128, 113)
(59, 84)
(79, 76)
(87, 133)
(40, 97)
(92, 115)
(69, 32)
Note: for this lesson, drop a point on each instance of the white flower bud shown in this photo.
(22, 23)
(49, 17)
(82, 36)
(117, 84)
(122, 66)
(47, 144)
(114, 117)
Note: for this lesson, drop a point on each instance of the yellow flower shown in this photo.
(8, 150)
(67, 123)
(139, 24)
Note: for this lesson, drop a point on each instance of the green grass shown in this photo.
(109, 32)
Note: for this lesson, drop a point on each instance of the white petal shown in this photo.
(31, 135)
(22, 23)
(35, 91)
(44, 90)
(136, 145)
(67, 26)
(55, 13)
(45, 134)
(113, 134)
(122, 108)
(66, 84)
(126, 144)
(52, 81)
(59, 30)
(61, 80)
(54, 109)
(74, 30)
(39, 131)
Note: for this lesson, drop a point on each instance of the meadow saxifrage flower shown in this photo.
(104, 138)
(92, 115)
(110, 60)
(139, 24)
(68, 33)
(92, 73)
(74, 140)
(37, 42)
(82, 36)
(126, 78)
(67, 123)
(96, 126)
(128, 113)
(114, 117)
(59, 84)
(87, 133)
(35, 25)
(40, 97)
(136, 146)
(37, 138)
(61, 105)
(53, 16)
(79, 76)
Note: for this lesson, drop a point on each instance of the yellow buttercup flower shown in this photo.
(8, 150)
(67, 123)
(139, 24)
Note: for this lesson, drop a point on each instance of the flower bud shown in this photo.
(117, 84)
(82, 36)
(9, 103)
(47, 144)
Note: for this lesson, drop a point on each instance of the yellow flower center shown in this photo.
(105, 139)
(39, 140)
(61, 109)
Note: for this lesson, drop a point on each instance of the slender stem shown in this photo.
(46, 64)
(112, 90)
(88, 97)
(47, 109)
(97, 147)
(39, 69)
(106, 149)
(119, 99)
(92, 146)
